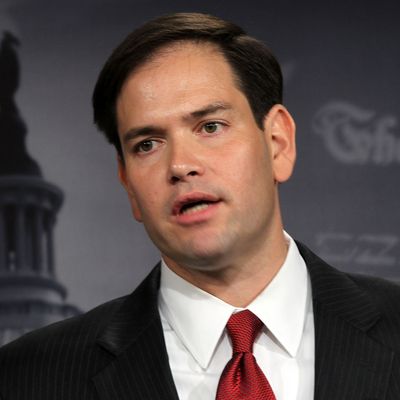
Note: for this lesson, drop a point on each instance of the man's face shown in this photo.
(199, 172)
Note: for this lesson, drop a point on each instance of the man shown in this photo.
(236, 309)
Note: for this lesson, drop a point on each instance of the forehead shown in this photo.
(179, 76)
(180, 50)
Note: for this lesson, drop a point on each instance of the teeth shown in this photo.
(195, 208)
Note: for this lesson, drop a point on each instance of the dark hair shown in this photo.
(256, 70)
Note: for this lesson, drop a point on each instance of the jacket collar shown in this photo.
(349, 363)
(137, 313)
(139, 368)
(332, 290)
(337, 293)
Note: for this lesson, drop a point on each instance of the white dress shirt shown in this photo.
(199, 348)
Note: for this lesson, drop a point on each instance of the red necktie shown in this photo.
(242, 378)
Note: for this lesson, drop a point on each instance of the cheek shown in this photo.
(136, 211)
(245, 161)
(146, 203)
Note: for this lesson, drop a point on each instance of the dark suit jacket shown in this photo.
(117, 351)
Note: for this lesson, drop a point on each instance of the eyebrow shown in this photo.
(208, 109)
(137, 132)
(202, 112)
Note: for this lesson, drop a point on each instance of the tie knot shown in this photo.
(243, 328)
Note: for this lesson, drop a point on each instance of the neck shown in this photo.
(240, 281)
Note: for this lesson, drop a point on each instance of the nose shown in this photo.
(184, 163)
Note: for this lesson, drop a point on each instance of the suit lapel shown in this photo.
(349, 363)
(139, 367)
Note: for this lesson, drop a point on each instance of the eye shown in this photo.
(145, 146)
(211, 127)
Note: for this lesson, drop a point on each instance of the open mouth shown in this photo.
(194, 202)
(195, 206)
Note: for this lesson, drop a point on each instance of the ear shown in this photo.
(123, 178)
(280, 130)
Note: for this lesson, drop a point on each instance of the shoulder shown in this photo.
(382, 288)
(369, 303)
(383, 293)
(380, 291)
(80, 333)
(60, 357)
(71, 336)
(385, 297)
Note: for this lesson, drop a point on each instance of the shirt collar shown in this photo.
(199, 318)
(282, 305)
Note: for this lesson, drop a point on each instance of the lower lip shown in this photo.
(197, 216)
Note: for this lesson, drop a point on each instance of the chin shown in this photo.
(206, 250)
(206, 256)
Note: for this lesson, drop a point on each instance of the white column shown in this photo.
(49, 241)
(38, 240)
(20, 245)
(3, 240)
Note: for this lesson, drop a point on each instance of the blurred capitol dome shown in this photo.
(30, 295)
